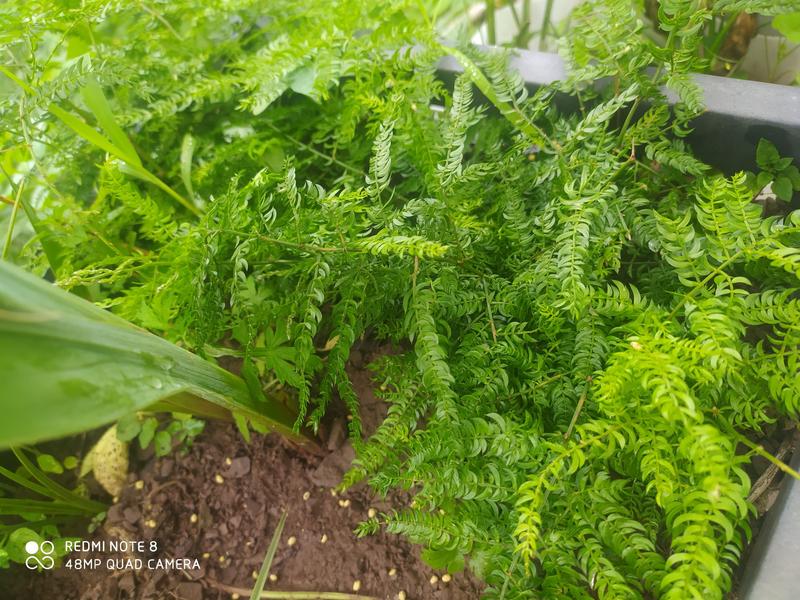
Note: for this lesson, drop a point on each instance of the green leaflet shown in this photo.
(68, 366)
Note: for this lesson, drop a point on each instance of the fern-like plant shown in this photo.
(591, 324)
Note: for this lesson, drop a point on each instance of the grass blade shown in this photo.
(268, 558)
(187, 151)
(94, 98)
(88, 133)
(55, 490)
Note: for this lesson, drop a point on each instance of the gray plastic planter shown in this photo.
(739, 113)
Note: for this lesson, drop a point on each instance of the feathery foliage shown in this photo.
(588, 318)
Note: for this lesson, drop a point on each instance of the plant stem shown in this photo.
(719, 39)
(13, 219)
(575, 416)
(548, 10)
(489, 311)
(279, 595)
(491, 29)
(758, 449)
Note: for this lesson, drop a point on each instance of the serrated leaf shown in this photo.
(766, 154)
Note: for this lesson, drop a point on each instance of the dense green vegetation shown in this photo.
(587, 319)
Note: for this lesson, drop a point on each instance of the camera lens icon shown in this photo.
(34, 560)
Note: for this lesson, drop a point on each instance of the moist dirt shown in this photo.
(220, 503)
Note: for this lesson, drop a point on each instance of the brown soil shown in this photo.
(179, 502)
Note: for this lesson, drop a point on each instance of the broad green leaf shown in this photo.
(163, 443)
(68, 366)
(766, 154)
(782, 186)
(793, 173)
(128, 427)
(789, 26)
(49, 464)
(148, 431)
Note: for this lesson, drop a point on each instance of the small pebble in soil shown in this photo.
(235, 596)
(222, 558)
(446, 578)
(434, 580)
(401, 595)
(273, 577)
(356, 585)
(150, 523)
(392, 572)
(228, 462)
(344, 503)
(255, 574)
(291, 541)
(306, 496)
(218, 478)
(206, 555)
(193, 518)
(334, 493)
(323, 539)
(139, 485)
(371, 513)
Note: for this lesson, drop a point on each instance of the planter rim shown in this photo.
(738, 112)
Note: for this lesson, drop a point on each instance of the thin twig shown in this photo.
(765, 480)
(575, 416)
(13, 219)
(758, 449)
(489, 310)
